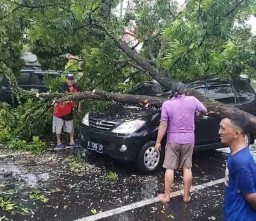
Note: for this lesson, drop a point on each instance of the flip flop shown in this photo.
(60, 146)
(73, 145)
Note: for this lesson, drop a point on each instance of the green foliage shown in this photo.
(38, 196)
(7, 204)
(112, 176)
(15, 132)
(204, 41)
(36, 145)
(5, 135)
(53, 83)
(76, 164)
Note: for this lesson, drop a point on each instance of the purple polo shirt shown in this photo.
(180, 114)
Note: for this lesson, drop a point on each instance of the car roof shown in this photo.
(42, 72)
(211, 81)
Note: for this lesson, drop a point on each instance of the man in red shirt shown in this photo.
(63, 113)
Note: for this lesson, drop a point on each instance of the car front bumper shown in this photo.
(112, 143)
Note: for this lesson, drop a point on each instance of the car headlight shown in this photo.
(85, 120)
(129, 126)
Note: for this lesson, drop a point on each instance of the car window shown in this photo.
(146, 89)
(35, 80)
(222, 93)
(243, 90)
(200, 87)
(23, 78)
(41, 78)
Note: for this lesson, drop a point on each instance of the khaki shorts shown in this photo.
(178, 156)
(58, 124)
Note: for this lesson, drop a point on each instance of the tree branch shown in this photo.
(158, 76)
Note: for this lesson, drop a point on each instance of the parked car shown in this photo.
(129, 132)
(28, 79)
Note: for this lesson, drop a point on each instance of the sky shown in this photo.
(251, 21)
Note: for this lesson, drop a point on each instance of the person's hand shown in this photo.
(157, 147)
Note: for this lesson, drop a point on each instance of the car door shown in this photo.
(204, 132)
(223, 92)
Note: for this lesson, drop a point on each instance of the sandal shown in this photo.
(73, 145)
(60, 146)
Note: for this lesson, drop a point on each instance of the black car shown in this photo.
(129, 132)
(28, 79)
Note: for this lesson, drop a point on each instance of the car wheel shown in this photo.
(148, 159)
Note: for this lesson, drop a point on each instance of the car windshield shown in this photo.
(146, 88)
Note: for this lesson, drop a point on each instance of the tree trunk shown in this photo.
(214, 107)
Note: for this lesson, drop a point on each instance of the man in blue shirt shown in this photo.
(240, 177)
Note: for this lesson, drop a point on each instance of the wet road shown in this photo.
(206, 204)
(97, 194)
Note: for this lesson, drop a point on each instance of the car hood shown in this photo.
(118, 113)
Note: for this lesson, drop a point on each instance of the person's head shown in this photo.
(70, 79)
(178, 88)
(233, 130)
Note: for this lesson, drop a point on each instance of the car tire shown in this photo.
(149, 160)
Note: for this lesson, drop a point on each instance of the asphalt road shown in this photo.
(110, 191)
(207, 195)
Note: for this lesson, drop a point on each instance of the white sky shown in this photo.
(251, 21)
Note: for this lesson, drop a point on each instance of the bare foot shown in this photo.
(163, 198)
(186, 200)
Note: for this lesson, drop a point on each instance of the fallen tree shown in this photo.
(199, 47)
(214, 107)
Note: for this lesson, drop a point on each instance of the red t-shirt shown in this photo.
(64, 108)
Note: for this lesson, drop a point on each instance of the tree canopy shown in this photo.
(154, 39)
(204, 38)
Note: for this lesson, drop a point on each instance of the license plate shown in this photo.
(95, 147)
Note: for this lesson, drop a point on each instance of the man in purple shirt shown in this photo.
(177, 118)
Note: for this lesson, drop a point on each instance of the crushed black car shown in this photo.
(128, 133)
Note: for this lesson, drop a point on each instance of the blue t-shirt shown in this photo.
(240, 178)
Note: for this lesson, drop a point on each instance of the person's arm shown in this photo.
(161, 132)
(200, 107)
(251, 199)
(162, 127)
(245, 184)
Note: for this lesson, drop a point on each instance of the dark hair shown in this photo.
(241, 122)
(178, 88)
